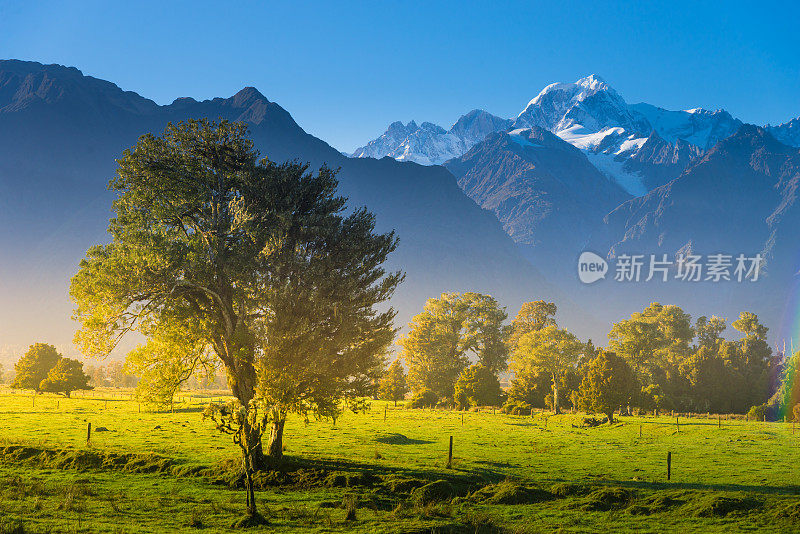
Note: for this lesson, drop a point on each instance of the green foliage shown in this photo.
(652, 398)
(706, 374)
(34, 366)
(712, 375)
(748, 324)
(654, 341)
(550, 351)
(424, 398)
(258, 263)
(449, 327)
(393, 385)
(477, 386)
(757, 413)
(532, 316)
(709, 331)
(67, 376)
(136, 471)
(609, 384)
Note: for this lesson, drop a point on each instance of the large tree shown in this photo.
(532, 316)
(609, 384)
(216, 252)
(654, 342)
(451, 327)
(67, 376)
(34, 366)
(550, 350)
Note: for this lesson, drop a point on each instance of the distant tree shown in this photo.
(484, 333)
(477, 386)
(393, 385)
(34, 366)
(707, 378)
(530, 389)
(531, 317)
(749, 325)
(550, 350)
(440, 337)
(118, 376)
(754, 359)
(67, 376)
(2, 377)
(652, 398)
(709, 331)
(216, 251)
(654, 342)
(609, 384)
(424, 398)
(432, 347)
(789, 389)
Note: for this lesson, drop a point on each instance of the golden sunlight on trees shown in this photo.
(219, 255)
(34, 366)
(393, 385)
(449, 328)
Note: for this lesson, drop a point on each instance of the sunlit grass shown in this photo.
(741, 458)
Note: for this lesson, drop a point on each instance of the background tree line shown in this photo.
(658, 359)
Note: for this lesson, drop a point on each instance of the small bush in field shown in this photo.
(757, 413)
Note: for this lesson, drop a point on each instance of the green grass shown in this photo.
(510, 473)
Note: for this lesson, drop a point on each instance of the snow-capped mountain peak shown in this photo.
(430, 144)
(577, 91)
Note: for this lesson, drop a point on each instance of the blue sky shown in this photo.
(345, 70)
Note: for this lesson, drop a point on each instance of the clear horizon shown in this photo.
(426, 63)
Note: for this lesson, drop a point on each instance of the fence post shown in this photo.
(385, 409)
(88, 433)
(719, 422)
(450, 454)
(669, 464)
(640, 430)
(677, 423)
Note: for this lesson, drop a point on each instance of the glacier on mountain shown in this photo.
(639, 146)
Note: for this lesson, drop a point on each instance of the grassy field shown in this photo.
(170, 472)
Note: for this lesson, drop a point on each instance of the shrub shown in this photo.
(424, 398)
(757, 413)
(517, 408)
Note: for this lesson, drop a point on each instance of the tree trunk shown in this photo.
(237, 353)
(255, 450)
(610, 416)
(556, 407)
(248, 479)
(275, 450)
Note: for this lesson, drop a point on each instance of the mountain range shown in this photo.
(501, 206)
(60, 132)
(581, 169)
